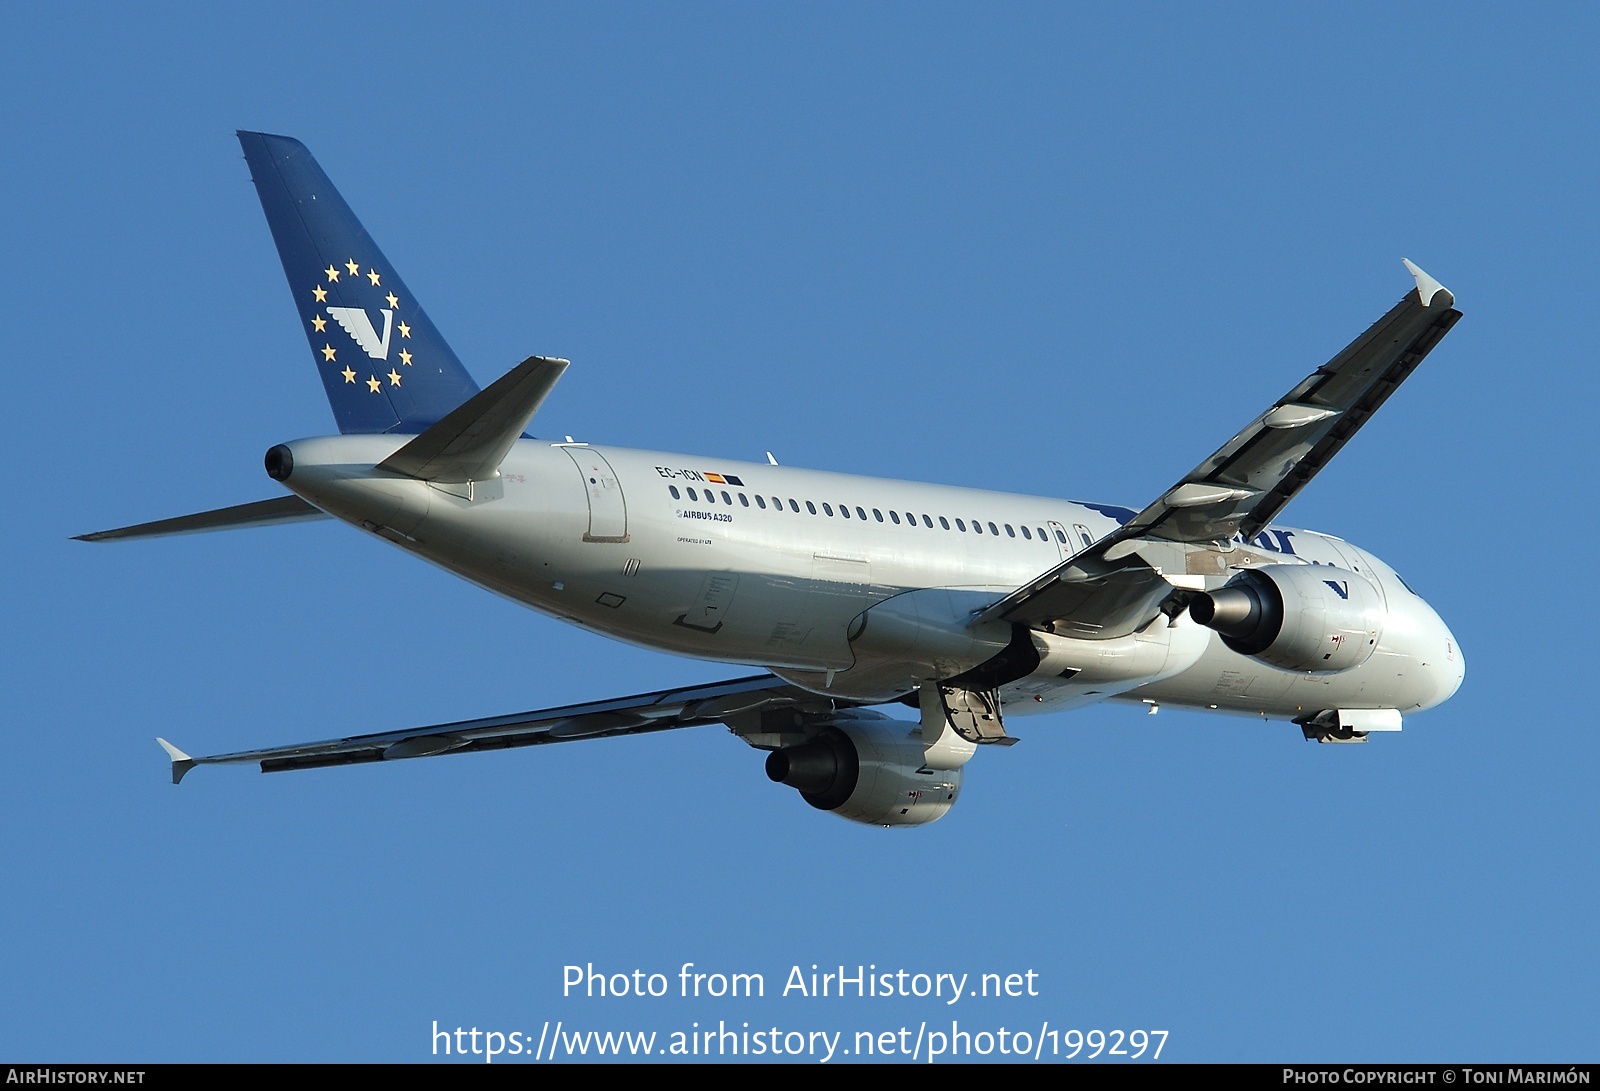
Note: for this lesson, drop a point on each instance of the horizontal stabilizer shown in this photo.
(472, 439)
(261, 513)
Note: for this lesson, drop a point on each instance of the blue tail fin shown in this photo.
(385, 367)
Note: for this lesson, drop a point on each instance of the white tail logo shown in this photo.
(359, 327)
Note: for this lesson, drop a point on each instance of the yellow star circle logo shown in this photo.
(345, 302)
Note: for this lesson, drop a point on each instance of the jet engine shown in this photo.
(1312, 618)
(870, 773)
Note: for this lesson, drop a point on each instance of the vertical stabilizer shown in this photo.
(384, 366)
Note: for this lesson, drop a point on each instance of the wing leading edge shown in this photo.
(1115, 586)
(689, 706)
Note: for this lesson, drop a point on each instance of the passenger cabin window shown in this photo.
(1009, 532)
(673, 489)
(927, 522)
(692, 495)
(711, 497)
(827, 509)
(1027, 534)
(1061, 537)
(812, 508)
(861, 513)
(777, 505)
(961, 526)
(744, 500)
(878, 515)
(943, 522)
(1042, 536)
(895, 516)
(761, 502)
(993, 529)
(977, 527)
(726, 499)
(793, 506)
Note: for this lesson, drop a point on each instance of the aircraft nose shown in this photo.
(1460, 661)
(1447, 665)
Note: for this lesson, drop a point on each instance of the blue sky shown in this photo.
(1056, 250)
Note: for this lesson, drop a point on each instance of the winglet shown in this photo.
(1427, 287)
(181, 762)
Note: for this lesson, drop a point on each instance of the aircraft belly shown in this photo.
(1224, 681)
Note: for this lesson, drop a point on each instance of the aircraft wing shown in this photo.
(1115, 586)
(689, 706)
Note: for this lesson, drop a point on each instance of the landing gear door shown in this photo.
(608, 510)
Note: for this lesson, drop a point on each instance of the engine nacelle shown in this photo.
(1299, 617)
(868, 773)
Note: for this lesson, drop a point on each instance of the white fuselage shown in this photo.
(772, 566)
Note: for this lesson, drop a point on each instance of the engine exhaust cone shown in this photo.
(1232, 611)
(824, 769)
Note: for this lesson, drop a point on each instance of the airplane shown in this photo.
(848, 593)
